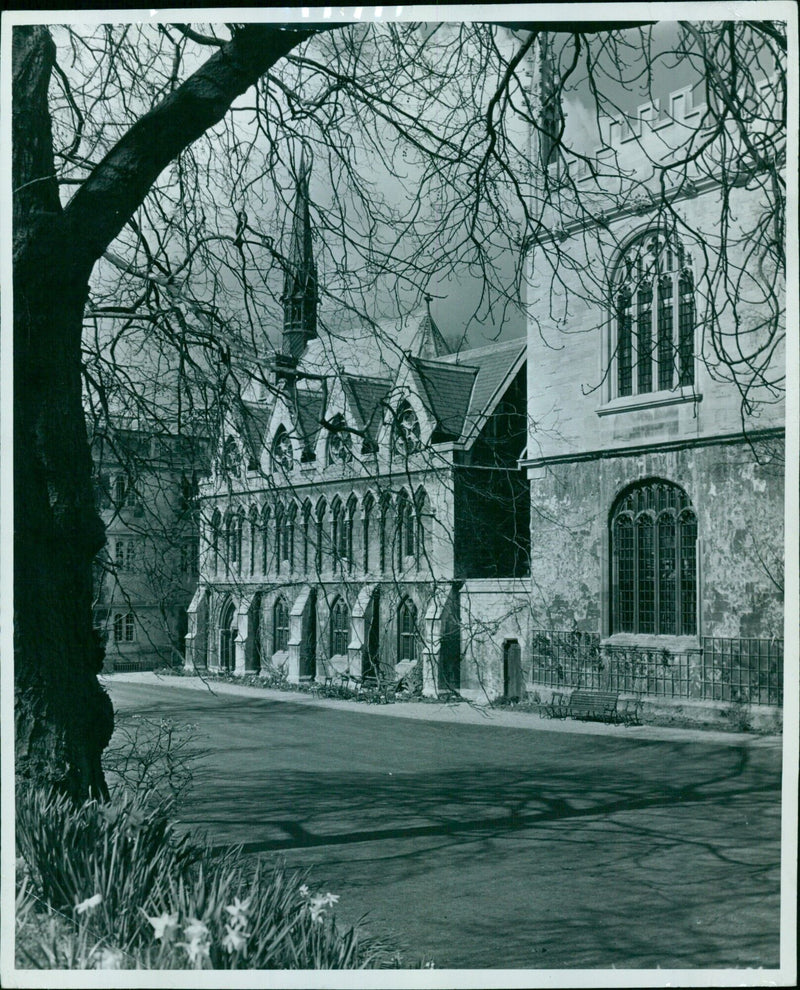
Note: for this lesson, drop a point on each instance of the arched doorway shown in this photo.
(227, 638)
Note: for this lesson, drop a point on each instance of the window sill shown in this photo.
(648, 400)
(642, 641)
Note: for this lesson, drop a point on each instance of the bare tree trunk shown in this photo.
(64, 718)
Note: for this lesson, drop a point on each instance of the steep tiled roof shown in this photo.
(366, 395)
(310, 410)
(254, 424)
(494, 364)
(447, 389)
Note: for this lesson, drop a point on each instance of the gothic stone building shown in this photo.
(365, 504)
(657, 500)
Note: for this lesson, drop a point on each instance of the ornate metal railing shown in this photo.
(721, 669)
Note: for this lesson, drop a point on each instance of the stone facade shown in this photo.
(144, 580)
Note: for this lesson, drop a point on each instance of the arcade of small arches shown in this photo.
(372, 630)
(383, 534)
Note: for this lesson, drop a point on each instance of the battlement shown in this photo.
(655, 128)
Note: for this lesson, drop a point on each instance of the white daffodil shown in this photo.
(162, 923)
(89, 903)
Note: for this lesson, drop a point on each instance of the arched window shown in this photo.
(282, 451)
(340, 627)
(384, 506)
(406, 433)
(654, 316)
(306, 533)
(227, 637)
(406, 536)
(216, 525)
(421, 507)
(253, 538)
(280, 626)
(289, 526)
(233, 539)
(654, 561)
(337, 528)
(366, 519)
(321, 508)
(340, 442)
(407, 634)
(265, 516)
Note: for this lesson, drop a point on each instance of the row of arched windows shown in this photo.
(408, 634)
(288, 538)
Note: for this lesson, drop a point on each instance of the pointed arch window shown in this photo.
(216, 526)
(321, 508)
(280, 626)
(340, 627)
(654, 561)
(406, 433)
(265, 518)
(253, 538)
(233, 539)
(282, 451)
(406, 529)
(366, 534)
(654, 316)
(227, 637)
(407, 633)
(306, 534)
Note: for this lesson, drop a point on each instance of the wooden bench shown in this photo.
(600, 706)
(558, 706)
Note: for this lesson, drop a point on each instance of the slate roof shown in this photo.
(310, 410)
(494, 364)
(447, 389)
(254, 425)
(365, 394)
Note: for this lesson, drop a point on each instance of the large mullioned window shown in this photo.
(407, 634)
(654, 561)
(654, 317)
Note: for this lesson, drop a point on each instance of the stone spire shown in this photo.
(300, 282)
(547, 102)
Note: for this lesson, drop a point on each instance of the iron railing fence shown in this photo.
(721, 669)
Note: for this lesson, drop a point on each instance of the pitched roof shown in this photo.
(365, 394)
(494, 365)
(254, 421)
(310, 406)
(447, 390)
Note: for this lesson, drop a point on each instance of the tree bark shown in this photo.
(64, 718)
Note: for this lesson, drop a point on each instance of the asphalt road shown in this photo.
(484, 846)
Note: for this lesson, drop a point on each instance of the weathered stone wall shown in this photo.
(492, 613)
(740, 513)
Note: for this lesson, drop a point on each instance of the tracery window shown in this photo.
(340, 627)
(280, 626)
(282, 451)
(654, 317)
(340, 442)
(654, 561)
(406, 434)
(407, 635)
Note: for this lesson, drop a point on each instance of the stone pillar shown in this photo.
(196, 657)
(300, 619)
(240, 643)
(358, 631)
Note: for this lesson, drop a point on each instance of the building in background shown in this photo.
(145, 485)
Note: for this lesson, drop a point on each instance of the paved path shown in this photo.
(507, 842)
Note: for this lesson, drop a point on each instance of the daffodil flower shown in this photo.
(89, 903)
(161, 923)
(234, 939)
